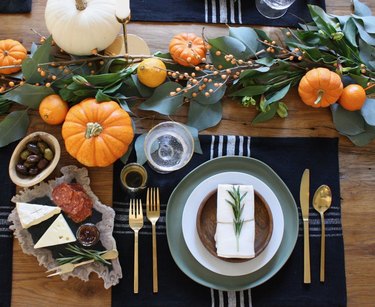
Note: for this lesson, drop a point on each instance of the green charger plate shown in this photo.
(180, 252)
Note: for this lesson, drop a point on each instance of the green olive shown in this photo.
(42, 146)
(24, 154)
(48, 154)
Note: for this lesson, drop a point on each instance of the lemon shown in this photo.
(152, 72)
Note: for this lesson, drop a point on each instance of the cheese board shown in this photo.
(48, 231)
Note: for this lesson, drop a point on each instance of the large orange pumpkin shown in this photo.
(187, 49)
(320, 87)
(97, 134)
(11, 53)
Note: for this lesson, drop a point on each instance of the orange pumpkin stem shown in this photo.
(93, 129)
(320, 96)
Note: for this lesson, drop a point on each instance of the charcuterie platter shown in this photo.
(54, 220)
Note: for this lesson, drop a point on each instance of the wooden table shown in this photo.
(32, 288)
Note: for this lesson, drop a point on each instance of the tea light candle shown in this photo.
(122, 9)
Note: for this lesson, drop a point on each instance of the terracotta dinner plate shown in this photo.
(206, 225)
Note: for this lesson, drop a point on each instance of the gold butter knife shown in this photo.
(304, 195)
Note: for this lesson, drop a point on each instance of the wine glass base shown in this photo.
(267, 11)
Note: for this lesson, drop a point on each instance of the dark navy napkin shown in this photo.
(215, 11)
(15, 6)
(7, 190)
(288, 157)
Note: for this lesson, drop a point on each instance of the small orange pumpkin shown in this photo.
(187, 49)
(11, 53)
(320, 87)
(97, 134)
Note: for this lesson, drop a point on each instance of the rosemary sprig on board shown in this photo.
(81, 254)
(237, 208)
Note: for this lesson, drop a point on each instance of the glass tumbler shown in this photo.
(168, 146)
(273, 8)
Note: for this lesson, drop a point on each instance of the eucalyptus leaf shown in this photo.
(267, 115)
(347, 122)
(362, 139)
(124, 159)
(252, 90)
(204, 116)
(29, 95)
(142, 89)
(30, 71)
(368, 111)
(267, 61)
(128, 88)
(367, 37)
(350, 32)
(366, 53)
(195, 133)
(278, 95)
(361, 9)
(139, 149)
(162, 102)
(215, 96)
(101, 96)
(230, 45)
(323, 21)
(247, 36)
(43, 53)
(13, 127)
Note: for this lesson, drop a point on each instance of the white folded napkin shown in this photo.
(227, 243)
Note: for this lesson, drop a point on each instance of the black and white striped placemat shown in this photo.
(288, 157)
(218, 11)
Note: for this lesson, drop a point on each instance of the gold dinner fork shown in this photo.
(135, 223)
(69, 267)
(153, 214)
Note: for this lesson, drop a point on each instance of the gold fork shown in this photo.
(69, 267)
(135, 223)
(153, 214)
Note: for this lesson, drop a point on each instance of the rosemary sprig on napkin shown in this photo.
(237, 208)
(81, 254)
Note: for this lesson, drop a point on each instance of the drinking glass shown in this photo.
(273, 8)
(134, 178)
(168, 146)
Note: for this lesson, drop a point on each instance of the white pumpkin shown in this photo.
(80, 26)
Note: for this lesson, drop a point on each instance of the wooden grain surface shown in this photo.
(31, 288)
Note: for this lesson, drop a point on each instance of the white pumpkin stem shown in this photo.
(93, 129)
(320, 96)
(81, 5)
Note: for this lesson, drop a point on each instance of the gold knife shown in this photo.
(304, 196)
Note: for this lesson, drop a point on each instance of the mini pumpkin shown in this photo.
(320, 87)
(97, 134)
(187, 49)
(12, 52)
(81, 26)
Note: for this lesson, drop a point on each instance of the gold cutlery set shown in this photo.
(136, 223)
(321, 202)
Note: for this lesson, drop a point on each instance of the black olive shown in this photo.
(42, 164)
(33, 171)
(20, 168)
(33, 159)
(33, 148)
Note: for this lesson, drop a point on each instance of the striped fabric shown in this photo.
(4, 224)
(218, 11)
(288, 157)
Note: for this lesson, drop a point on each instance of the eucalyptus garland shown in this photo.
(246, 64)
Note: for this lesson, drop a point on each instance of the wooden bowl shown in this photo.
(206, 225)
(28, 181)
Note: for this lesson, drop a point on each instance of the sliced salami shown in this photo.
(73, 200)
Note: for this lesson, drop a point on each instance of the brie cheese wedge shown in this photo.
(33, 214)
(228, 245)
(58, 233)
